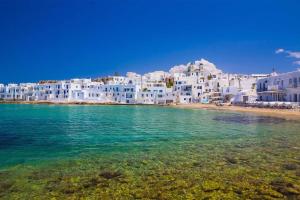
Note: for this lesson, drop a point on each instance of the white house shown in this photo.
(152, 93)
(2, 91)
(239, 88)
(280, 87)
(199, 81)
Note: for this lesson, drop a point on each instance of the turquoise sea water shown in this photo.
(145, 152)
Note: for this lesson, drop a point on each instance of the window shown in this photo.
(295, 82)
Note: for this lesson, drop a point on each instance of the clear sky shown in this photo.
(61, 39)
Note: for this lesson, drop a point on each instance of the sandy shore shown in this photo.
(292, 114)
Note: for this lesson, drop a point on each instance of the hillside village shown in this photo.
(196, 82)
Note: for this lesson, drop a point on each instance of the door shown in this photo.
(245, 99)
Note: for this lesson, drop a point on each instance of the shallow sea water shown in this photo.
(145, 152)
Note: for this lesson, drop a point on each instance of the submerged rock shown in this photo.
(197, 164)
(231, 160)
(266, 192)
(68, 191)
(290, 166)
(4, 186)
(248, 119)
(285, 188)
(93, 182)
(110, 174)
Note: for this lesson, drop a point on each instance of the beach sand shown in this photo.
(292, 114)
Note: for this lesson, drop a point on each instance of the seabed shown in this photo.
(168, 154)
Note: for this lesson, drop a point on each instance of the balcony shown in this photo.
(274, 87)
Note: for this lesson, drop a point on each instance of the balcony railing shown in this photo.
(270, 88)
(274, 87)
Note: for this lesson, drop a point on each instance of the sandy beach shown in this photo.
(292, 114)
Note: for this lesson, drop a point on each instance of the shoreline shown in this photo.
(61, 103)
(292, 114)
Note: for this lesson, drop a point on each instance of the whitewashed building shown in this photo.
(196, 82)
(240, 88)
(2, 91)
(152, 93)
(280, 87)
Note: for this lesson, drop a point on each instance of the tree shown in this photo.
(169, 82)
(209, 77)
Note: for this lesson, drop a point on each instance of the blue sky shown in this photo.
(56, 39)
